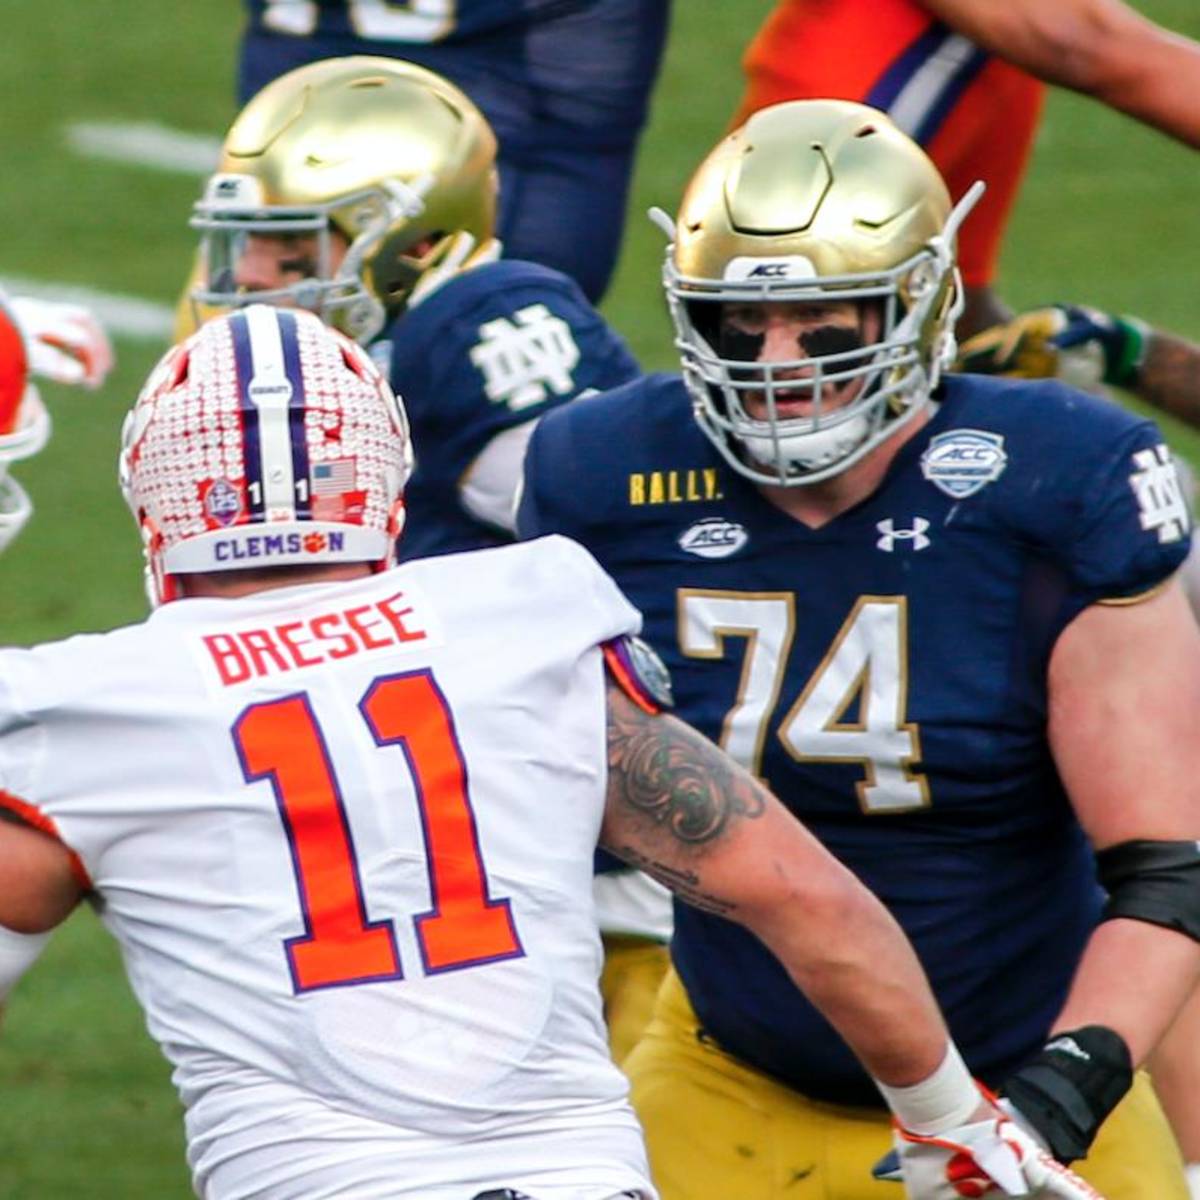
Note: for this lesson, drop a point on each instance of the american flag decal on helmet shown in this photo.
(333, 478)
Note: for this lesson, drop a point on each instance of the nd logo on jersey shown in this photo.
(1161, 506)
(521, 361)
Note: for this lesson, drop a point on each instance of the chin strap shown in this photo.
(460, 254)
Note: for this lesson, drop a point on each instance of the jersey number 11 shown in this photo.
(281, 740)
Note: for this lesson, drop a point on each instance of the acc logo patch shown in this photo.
(714, 537)
(744, 269)
(962, 461)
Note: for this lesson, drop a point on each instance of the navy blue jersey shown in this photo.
(435, 20)
(564, 83)
(492, 348)
(886, 674)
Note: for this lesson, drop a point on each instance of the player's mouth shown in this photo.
(797, 403)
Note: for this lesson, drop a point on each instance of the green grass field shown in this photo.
(1108, 215)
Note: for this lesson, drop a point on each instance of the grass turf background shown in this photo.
(1107, 216)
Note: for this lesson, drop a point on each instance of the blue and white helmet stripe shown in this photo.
(272, 401)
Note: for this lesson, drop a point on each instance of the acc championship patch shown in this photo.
(643, 676)
(962, 461)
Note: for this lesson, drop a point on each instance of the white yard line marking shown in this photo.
(122, 316)
(146, 144)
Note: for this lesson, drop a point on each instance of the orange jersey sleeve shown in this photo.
(974, 114)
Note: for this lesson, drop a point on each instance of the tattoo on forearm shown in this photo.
(667, 771)
(1170, 378)
(685, 884)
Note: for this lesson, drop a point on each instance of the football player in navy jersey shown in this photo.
(565, 84)
(375, 207)
(938, 614)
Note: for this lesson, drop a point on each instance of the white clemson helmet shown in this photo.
(266, 439)
(24, 422)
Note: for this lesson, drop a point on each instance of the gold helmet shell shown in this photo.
(815, 201)
(391, 156)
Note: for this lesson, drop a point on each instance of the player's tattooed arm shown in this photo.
(685, 812)
(673, 799)
(1169, 377)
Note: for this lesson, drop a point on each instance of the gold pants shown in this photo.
(633, 970)
(715, 1127)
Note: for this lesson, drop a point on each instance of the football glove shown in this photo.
(1081, 346)
(66, 343)
(993, 1156)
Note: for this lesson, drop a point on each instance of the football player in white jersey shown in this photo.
(56, 340)
(386, 175)
(341, 818)
(63, 342)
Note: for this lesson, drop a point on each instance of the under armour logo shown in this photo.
(890, 535)
(521, 361)
(1159, 496)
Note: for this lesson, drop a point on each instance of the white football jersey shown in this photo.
(344, 835)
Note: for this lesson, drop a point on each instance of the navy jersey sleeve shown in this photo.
(1089, 486)
(1130, 527)
(337, 20)
(492, 349)
(1135, 525)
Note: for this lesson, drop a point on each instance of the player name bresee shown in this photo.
(255, 651)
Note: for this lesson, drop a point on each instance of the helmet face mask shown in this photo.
(819, 204)
(266, 439)
(382, 164)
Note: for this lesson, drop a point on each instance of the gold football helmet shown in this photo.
(374, 157)
(814, 201)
